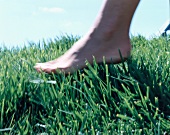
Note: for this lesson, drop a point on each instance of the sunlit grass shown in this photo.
(128, 98)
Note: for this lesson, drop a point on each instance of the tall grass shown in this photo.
(132, 97)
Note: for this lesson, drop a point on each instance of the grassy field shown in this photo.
(130, 98)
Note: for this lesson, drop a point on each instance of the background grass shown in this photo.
(128, 98)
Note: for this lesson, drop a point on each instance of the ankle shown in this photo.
(106, 34)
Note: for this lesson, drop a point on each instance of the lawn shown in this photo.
(130, 98)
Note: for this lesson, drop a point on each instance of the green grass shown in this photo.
(128, 98)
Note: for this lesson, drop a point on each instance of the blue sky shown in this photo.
(33, 20)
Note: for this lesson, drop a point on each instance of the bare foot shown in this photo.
(87, 48)
(108, 36)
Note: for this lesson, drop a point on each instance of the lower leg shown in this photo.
(108, 35)
(115, 16)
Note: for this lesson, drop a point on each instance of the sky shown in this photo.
(24, 21)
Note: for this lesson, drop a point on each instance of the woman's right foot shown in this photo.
(108, 36)
(88, 48)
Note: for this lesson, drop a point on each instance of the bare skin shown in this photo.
(108, 36)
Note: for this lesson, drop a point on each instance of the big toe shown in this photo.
(44, 67)
(39, 66)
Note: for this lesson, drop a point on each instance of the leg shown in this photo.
(108, 35)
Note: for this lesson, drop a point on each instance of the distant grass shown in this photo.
(128, 98)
